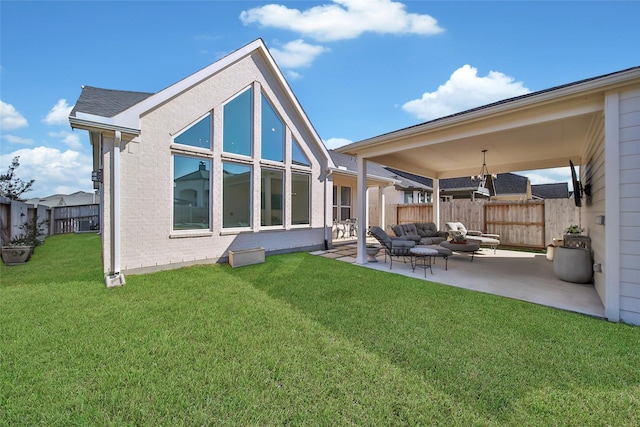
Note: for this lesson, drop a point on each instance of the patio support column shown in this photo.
(361, 195)
(381, 202)
(436, 202)
(612, 206)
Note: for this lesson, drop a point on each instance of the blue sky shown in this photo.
(358, 67)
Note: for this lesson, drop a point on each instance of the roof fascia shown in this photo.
(354, 174)
(92, 122)
(605, 83)
(131, 116)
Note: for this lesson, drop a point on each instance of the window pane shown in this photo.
(272, 133)
(345, 213)
(345, 196)
(237, 125)
(191, 179)
(297, 156)
(236, 195)
(271, 197)
(300, 198)
(335, 195)
(198, 135)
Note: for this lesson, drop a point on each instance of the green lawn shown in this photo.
(298, 340)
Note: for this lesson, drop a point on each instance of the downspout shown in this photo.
(115, 278)
(327, 191)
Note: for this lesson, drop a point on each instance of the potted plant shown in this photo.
(573, 229)
(372, 251)
(22, 246)
(459, 238)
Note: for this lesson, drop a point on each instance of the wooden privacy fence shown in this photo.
(58, 220)
(71, 219)
(528, 223)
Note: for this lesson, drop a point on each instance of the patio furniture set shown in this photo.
(422, 242)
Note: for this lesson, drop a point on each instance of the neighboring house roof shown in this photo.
(411, 180)
(559, 190)
(510, 183)
(506, 183)
(106, 102)
(344, 162)
(75, 199)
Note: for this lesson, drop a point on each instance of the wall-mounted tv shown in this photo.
(577, 189)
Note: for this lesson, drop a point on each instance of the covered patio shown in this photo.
(592, 123)
(526, 276)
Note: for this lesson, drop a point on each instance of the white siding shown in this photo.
(630, 206)
(592, 172)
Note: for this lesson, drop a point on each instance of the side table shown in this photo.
(424, 254)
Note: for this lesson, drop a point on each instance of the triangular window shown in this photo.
(198, 135)
(297, 156)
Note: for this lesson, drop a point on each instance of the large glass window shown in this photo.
(198, 135)
(297, 156)
(300, 198)
(236, 195)
(191, 183)
(345, 203)
(238, 124)
(272, 133)
(271, 206)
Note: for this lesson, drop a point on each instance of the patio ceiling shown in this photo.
(541, 130)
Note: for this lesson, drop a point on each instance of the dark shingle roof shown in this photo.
(510, 183)
(351, 164)
(558, 190)
(506, 183)
(427, 182)
(106, 102)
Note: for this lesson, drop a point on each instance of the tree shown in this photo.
(11, 186)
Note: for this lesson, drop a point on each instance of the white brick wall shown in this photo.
(147, 178)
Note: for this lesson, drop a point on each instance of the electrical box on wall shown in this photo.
(600, 219)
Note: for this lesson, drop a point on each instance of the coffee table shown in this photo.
(424, 254)
(462, 247)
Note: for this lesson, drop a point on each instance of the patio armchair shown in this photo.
(484, 239)
(393, 246)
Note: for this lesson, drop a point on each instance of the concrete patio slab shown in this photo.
(525, 276)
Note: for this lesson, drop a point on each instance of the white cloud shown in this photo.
(464, 90)
(54, 171)
(12, 139)
(293, 75)
(333, 143)
(344, 19)
(11, 119)
(548, 176)
(70, 139)
(296, 54)
(59, 114)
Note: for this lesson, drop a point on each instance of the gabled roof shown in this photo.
(114, 110)
(106, 102)
(558, 190)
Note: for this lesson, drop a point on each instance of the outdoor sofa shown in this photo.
(422, 233)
